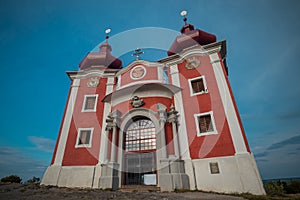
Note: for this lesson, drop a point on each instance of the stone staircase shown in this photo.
(139, 188)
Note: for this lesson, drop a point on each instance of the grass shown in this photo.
(250, 196)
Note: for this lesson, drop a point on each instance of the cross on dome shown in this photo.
(137, 53)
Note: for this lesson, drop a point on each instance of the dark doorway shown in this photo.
(139, 157)
(140, 169)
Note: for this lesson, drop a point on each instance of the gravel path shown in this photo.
(37, 192)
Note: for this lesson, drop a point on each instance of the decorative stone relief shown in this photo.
(136, 102)
(192, 62)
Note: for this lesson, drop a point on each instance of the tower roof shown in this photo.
(190, 37)
(101, 58)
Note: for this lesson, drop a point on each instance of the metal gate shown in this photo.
(137, 165)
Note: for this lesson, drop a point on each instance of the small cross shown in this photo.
(137, 53)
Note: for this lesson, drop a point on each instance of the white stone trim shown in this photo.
(212, 120)
(118, 82)
(160, 74)
(191, 88)
(89, 145)
(66, 125)
(106, 110)
(178, 101)
(195, 50)
(138, 66)
(140, 82)
(84, 101)
(138, 62)
(82, 74)
(233, 123)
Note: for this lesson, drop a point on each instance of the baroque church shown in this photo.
(171, 124)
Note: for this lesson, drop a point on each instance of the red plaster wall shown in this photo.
(85, 156)
(150, 103)
(151, 74)
(211, 145)
(169, 139)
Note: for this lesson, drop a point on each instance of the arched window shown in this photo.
(140, 136)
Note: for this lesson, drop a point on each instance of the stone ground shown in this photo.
(37, 192)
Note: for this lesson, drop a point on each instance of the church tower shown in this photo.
(172, 124)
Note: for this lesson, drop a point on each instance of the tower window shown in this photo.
(90, 103)
(205, 124)
(197, 85)
(84, 137)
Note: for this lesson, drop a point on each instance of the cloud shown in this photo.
(289, 115)
(290, 141)
(260, 155)
(14, 162)
(42, 144)
(262, 160)
(292, 153)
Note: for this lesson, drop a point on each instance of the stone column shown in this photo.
(162, 120)
(172, 118)
(173, 175)
(109, 127)
(109, 174)
(116, 119)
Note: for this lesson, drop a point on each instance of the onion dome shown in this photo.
(103, 58)
(190, 37)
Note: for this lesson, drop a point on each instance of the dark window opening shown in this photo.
(205, 124)
(198, 85)
(84, 137)
(90, 103)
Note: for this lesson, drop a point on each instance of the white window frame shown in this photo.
(84, 101)
(191, 88)
(89, 145)
(213, 124)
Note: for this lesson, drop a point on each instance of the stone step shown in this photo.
(139, 188)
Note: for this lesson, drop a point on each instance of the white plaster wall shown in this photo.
(188, 166)
(76, 176)
(97, 175)
(237, 175)
(51, 175)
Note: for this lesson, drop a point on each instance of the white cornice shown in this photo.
(91, 72)
(195, 50)
(141, 62)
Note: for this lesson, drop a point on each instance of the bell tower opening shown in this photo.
(140, 153)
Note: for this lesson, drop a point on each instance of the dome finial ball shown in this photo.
(183, 13)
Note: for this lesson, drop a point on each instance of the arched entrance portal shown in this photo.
(140, 152)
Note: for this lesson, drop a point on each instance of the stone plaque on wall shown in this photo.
(214, 168)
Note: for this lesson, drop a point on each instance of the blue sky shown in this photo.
(41, 39)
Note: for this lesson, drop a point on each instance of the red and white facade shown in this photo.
(172, 123)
